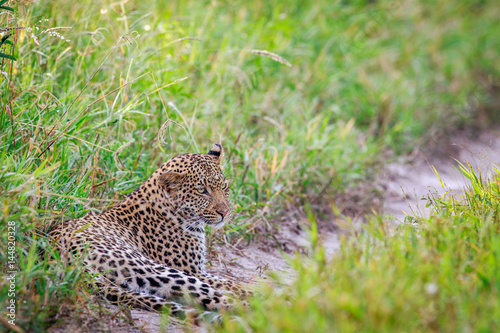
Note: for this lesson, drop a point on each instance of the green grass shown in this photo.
(440, 274)
(83, 122)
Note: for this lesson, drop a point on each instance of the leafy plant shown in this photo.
(5, 34)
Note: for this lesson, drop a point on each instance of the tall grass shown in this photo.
(102, 93)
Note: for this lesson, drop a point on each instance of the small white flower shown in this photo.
(35, 39)
(147, 27)
(104, 11)
(431, 288)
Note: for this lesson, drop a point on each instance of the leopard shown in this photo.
(149, 250)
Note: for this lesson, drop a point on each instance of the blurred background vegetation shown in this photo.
(309, 99)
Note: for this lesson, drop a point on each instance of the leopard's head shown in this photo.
(196, 188)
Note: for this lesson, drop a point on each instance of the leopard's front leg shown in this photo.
(133, 271)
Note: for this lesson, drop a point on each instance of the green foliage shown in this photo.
(5, 7)
(439, 274)
(5, 34)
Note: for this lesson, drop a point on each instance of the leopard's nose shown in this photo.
(222, 213)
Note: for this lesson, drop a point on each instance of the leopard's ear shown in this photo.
(217, 153)
(170, 179)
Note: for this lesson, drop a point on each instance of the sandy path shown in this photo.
(418, 179)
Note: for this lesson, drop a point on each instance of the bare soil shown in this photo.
(407, 185)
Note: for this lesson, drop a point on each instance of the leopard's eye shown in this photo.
(202, 190)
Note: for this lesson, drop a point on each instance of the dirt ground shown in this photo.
(404, 185)
(407, 183)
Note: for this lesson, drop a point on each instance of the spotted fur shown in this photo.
(150, 248)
